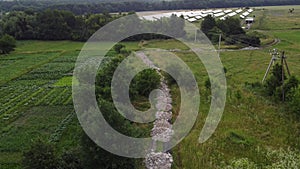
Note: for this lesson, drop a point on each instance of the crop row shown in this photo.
(54, 67)
(43, 76)
(26, 83)
(66, 58)
(8, 93)
(56, 96)
(16, 99)
(55, 137)
(59, 99)
(13, 109)
(49, 71)
(68, 101)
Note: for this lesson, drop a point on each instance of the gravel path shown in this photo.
(162, 130)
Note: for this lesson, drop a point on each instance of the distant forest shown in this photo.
(64, 25)
(92, 6)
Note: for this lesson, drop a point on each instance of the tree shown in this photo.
(7, 44)
(230, 26)
(208, 23)
(53, 25)
(146, 81)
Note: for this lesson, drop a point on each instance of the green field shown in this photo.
(36, 99)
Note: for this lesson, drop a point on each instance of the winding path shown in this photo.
(162, 130)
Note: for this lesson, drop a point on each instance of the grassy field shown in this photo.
(250, 123)
(36, 102)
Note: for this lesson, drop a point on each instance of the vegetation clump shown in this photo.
(7, 44)
(231, 31)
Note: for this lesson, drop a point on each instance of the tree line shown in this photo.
(93, 6)
(231, 31)
(65, 25)
(52, 25)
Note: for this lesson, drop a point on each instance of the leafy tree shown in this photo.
(7, 44)
(230, 26)
(53, 26)
(208, 23)
(146, 81)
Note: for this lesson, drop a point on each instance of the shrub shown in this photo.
(40, 156)
(118, 47)
(146, 81)
(7, 44)
(294, 103)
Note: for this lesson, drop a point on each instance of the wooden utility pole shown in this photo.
(284, 63)
(196, 31)
(274, 53)
(282, 76)
(220, 38)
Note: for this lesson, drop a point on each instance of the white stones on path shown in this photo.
(162, 130)
(159, 160)
(163, 115)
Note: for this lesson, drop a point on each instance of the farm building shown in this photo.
(232, 14)
(245, 14)
(249, 20)
(192, 19)
(228, 11)
(239, 11)
(219, 14)
(195, 15)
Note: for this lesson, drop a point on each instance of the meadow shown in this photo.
(36, 99)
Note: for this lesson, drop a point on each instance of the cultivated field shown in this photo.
(36, 101)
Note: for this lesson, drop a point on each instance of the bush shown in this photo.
(146, 81)
(294, 103)
(274, 81)
(40, 156)
(7, 44)
(43, 156)
(118, 47)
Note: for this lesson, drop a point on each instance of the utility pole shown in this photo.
(284, 63)
(282, 76)
(195, 35)
(275, 55)
(220, 38)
